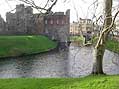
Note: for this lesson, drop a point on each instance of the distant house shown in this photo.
(83, 27)
(86, 25)
(74, 28)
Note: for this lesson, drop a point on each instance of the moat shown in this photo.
(75, 62)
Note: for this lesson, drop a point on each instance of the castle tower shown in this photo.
(20, 8)
(2, 25)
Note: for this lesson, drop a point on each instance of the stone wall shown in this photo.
(2, 25)
(22, 21)
(57, 26)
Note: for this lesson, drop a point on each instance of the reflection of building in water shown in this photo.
(24, 66)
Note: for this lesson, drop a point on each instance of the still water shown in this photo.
(75, 62)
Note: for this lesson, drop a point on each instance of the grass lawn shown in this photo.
(112, 45)
(90, 82)
(77, 38)
(22, 45)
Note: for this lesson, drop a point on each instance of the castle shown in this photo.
(24, 22)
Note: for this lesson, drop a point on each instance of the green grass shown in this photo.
(77, 38)
(90, 82)
(23, 45)
(112, 45)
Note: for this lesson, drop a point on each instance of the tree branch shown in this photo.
(106, 30)
(49, 9)
(32, 4)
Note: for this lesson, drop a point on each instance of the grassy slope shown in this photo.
(113, 45)
(90, 82)
(18, 45)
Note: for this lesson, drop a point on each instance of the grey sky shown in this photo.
(84, 8)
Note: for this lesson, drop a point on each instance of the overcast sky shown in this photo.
(79, 8)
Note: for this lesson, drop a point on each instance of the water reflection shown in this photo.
(75, 62)
(24, 66)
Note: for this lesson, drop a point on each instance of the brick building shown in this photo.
(56, 26)
(74, 28)
(83, 27)
(86, 25)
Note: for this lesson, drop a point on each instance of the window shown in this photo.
(83, 21)
(46, 22)
(51, 22)
(57, 21)
(62, 21)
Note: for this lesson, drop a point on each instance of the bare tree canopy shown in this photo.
(46, 8)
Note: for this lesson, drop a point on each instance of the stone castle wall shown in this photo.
(2, 26)
(57, 26)
(23, 21)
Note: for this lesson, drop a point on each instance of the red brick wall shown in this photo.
(58, 20)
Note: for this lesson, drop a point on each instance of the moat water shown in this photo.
(75, 62)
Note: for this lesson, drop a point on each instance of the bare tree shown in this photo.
(45, 9)
(108, 25)
(100, 46)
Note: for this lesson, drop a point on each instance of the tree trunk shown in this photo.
(98, 59)
(100, 47)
